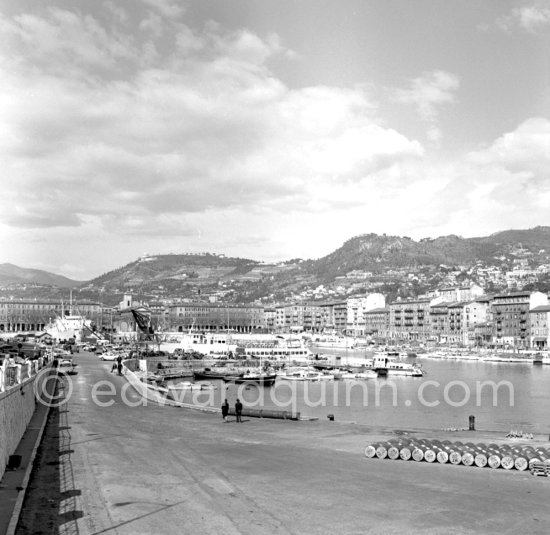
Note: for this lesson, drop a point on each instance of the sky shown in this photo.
(269, 129)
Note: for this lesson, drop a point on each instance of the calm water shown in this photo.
(501, 397)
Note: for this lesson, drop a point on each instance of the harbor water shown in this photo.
(501, 397)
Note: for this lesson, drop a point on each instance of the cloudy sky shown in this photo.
(266, 129)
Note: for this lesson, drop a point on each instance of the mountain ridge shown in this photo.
(371, 254)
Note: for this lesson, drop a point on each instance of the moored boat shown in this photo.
(301, 375)
(260, 378)
(385, 364)
(215, 373)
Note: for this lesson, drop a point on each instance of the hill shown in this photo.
(14, 275)
(394, 265)
(378, 254)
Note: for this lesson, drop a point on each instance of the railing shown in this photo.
(14, 373)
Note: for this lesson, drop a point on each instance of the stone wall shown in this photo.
(17, 406)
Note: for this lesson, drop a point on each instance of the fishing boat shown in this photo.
(260, 378)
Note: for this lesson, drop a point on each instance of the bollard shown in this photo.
(472, 423)
(14, 462)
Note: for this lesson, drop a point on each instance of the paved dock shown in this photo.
(154, 470)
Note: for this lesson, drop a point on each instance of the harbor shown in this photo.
(147, 468)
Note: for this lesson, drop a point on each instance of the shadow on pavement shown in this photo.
(50, 505)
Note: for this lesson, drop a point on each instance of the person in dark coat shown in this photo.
(225, 410)
(238, 410)
(119, 365)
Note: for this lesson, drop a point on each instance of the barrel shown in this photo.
(521, 462)
(405, 453)
(382, 450)
(481, 460)
(455, 457)
(393, 452)
(370, 450)
(467, 457)
(418, 453)
(428, 448)
(494, 460)
(430, 455)
(507, 461)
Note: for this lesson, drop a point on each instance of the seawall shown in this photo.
(17, 405)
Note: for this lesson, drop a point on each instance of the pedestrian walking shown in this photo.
(119, 365)
(238, 410)
(225, 410)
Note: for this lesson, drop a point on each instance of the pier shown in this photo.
(148, 468)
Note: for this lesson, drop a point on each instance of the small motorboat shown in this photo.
(263, 379)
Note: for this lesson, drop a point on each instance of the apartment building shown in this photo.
(511, 316)
(410, 320)
(539, 321)
(211, 317)
(357, 307)
(377, 323)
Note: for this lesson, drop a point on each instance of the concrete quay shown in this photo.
(154, 470)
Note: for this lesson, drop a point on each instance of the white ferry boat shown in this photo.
(333, 341)
(387, 364)
(226, 345)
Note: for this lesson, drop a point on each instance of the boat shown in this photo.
(366, 374)
(260, 378)
(301, 375)
(188, 385)
(351, 375)
(67, 326)
(237, 345)
(333, 341)
(215, 373)
(387, 364)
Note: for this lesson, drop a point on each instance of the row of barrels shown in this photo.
(469, 454)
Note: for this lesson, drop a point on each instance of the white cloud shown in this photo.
(429, 92)
(117, 139)
(208, 128)
(167, 8)
(531, 18)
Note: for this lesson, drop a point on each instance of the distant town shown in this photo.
(386, 296)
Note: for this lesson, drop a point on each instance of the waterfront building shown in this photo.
(377, 323)
(356, 309)
(340, 316)
(270, 315)
(439, 321)
(462, 318)
(303, 317)
(410, 320)
(511, 314)
(539, 321)
(183, 317)
(32, 315)
(481, 333)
